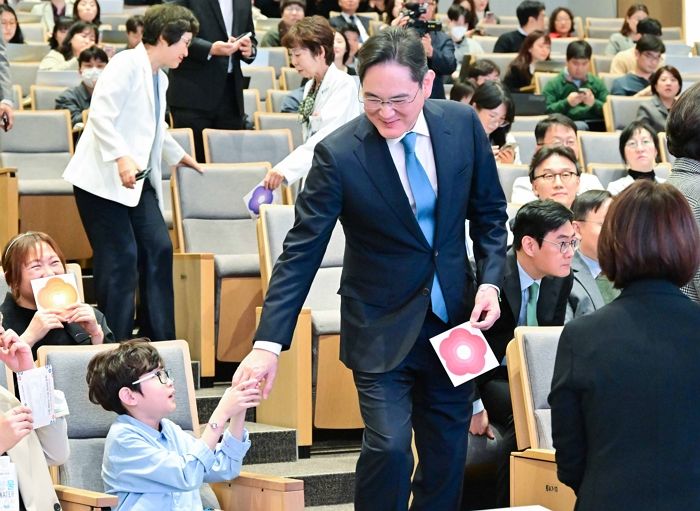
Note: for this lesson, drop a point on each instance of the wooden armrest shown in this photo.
(11, 171)
(267, 482)
(85, 497)
(528, 89)
(204, 256)
(537, 454)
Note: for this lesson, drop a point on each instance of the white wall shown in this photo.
(692, 15)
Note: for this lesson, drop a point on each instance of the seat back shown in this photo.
(672, 34)
(601, 63)
(34, 32)
(559, 45)
(607, 172)
(251, 102)
(88, 423)
(500, 59)
(274, 100)
(268, 121)
(39, 145)
(602, 32)
(684, 64)
(486, 42)
(43, 97)
(290, 78)
(507, 174)
(598, 147)
(277, 57)
(531, 357)
(496, 30)
(541, 80)
(240, 146)
(184, 137)
(526, 122)
(598, 44)
(24, 73)
(608, 79)
(527, 143)
(113, 37)
(266, 24)
(620, 111)
(677, 48)
(26, 52)
(69, 78)
(261, 78)
(211, 215)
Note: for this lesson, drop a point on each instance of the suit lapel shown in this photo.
(218, 16)
(440, 137)
(376, 161)
(511, 285)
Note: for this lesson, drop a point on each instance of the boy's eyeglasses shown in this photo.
(163, 376)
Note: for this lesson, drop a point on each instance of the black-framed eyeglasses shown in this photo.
(163, 376)
(373, 103)
(566, 245)
(550, 177)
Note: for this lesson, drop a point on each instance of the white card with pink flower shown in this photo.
(464, 353)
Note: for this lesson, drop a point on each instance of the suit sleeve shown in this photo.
(316, 212)
(565, 400)
(199, 48)
(486, 211)
(443, 61)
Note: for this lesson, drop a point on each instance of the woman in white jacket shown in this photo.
(331, 96)
(117, 176)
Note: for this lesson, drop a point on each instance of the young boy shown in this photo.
(149, 462)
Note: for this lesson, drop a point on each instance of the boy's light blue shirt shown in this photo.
(162, 470)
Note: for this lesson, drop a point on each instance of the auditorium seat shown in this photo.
(620, 111)
(599, 148)
(184, 137)
(290, 79)
(507, 174)
(240, 146)
(274, 100)
(268, 121)
(310, 378)
(43, 97)
(261, 78)
(251, 102)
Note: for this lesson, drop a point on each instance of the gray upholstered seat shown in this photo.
(527, 144)
(290, 79)
(184, 137)
(274, 99)
(599, 147)
(44, 96)
(620, 111)
(240, 146)
(269, 120)
(607, 173)
(526, 122)
(261, 77)
(507, 174)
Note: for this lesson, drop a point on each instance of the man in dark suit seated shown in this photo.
(438, 47)
(348, 16)
(535, 289)
(648, 51)
(530, 17)
(402, 179)
(591, 289)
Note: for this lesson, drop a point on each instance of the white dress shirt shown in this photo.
(357, 22)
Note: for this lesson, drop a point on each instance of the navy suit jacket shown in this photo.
(388, 265)
(199, 82)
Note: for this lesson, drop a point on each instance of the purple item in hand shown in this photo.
(261, 195)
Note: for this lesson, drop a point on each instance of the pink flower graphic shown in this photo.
(463, 352)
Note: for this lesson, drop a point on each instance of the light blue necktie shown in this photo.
(425, 198)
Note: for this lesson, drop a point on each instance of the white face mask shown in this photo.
(90, 76)
(458, 32)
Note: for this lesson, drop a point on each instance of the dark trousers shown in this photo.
(225, 117)
(415, 395)
(495, 395)
(131, 247)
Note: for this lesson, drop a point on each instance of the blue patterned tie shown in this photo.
(425, 213)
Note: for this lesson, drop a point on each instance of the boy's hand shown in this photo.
(237, 399)
(15, 424)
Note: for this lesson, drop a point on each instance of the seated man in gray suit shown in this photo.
(591, 289)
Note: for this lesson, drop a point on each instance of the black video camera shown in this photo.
(414, 11)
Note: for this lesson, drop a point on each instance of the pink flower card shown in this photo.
(464, 353)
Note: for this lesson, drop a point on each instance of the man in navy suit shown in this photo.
(402, 179)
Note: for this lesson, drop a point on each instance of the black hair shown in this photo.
(528, 9)
(76, 28)
(168, 21)
(630, 130)
(394, 44)
(491, 95)
(461, 90)
(538, 218)
(93, 52)
(133, 23)
(482, 67)
(548, 122)
(579, 49)
(589, 201)
(18, 38)
(547, 151)
(62, 23)
(682, 125)
(650, 43)
(649, 26)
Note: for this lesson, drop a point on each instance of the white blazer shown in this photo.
(122, 123)
(46, 12)
(618, 185)
(337, 102)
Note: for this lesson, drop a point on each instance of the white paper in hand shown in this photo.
(259, 196)
(464, 353)
(36, 391)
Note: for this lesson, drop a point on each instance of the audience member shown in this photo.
(149, 461)
(625, 378)
(292, 12)
(494, 106)
(648, 52)
(625, 61)
(483, 13)
(556, 129)
(469, 14)
(11, 31)
(639, 149)
(438, 47)
(35, 255)
(462, 92)
(520, 73)
(80, 36)
(348, 16)
(341, 53)
(555, 174)
(51, 11)
(628, 34)
(206, 91)
(591, 289)
(134, 31)
(117, 178)
(530, 17)
(30, 450)
(331, 97)
(561, 23)
(666, 85)
(684, 143)
(87, 11)
(91, 62)
(576, 92)
(459, 32)
(352, 36)
(483, 70)
(534, 291)
(59, 32)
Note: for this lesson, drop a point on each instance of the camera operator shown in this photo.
(438, 46)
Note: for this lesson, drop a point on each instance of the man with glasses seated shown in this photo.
(648, 51)
(402, 179)
(534, 292)
(554, 174)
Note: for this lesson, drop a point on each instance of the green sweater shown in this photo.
(557, 90)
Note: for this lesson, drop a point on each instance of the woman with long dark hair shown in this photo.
(537, 47)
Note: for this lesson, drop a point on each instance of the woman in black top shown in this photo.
(536, 48)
